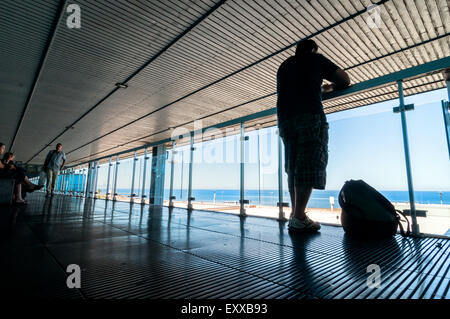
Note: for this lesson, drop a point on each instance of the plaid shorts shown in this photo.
(305, 141)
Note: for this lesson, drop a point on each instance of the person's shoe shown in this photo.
(21, 203)
(33, 188)
(306, 225)
(47, 195)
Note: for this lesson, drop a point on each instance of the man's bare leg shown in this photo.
(18, 193)
(302, 195)
(291, 194)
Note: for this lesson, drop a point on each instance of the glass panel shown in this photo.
(261, 172)
(430, 165)
(138, 175)
(90, 180)
(75, 181)
(102, 180)
(124, 177)
(167, 173)
(181, 175)
(216, 179)
(84, 172)
(65, 182)
(57, 183)
(68, 179)
(148, 178)
(364, 143)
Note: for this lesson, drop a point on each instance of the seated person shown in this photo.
(9, 170)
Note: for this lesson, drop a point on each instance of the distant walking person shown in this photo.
(54, 162)
(303, 126)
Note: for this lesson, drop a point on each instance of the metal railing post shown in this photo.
(415, 226)
(61, 176)
(132, 179)
(115, 179)
(143, 196)
(259, 163)
(280, 180)
(78, 182)
(85, 181)
(191, 160)
(446, 111)
(108, 179)
(66, 182)
(61, 181)
(242, 160)
(172, 163)
(74, 190)
(446, 114)
(89, 180)
(71, 182)
(94, 184)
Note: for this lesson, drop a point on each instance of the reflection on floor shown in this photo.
(133, 251)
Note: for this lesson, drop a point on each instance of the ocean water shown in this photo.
(319, 198)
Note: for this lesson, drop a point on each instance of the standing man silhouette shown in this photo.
(303, 126)
(54, 162)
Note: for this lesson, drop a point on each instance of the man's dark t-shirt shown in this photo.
(299, 82)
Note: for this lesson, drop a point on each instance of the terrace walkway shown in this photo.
(135, 252)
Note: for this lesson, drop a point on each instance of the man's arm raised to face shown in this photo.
(339, 80)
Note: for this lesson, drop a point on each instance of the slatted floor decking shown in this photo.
(135, 252)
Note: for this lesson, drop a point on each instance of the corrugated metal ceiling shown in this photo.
(227, 56)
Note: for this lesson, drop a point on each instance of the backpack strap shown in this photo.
(402, 231)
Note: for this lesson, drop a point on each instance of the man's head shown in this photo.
(8, 157)
(58, 147)
(306, 46)
(2, 148)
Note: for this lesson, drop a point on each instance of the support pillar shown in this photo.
(415, 226)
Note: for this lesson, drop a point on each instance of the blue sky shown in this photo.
(365, 143)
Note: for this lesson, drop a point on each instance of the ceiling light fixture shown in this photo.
(121, 85)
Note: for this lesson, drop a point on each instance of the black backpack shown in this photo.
(367, 213)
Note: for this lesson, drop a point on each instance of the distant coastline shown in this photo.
(269, 197)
